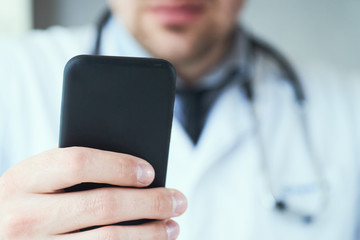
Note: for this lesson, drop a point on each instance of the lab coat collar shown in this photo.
(117, 41)
(229, 126)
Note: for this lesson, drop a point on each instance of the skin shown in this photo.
(193, 48)
(33, 204)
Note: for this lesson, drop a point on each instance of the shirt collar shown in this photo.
(235, 59)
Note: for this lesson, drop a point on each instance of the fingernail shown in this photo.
(179, 203)
(145, 173)
(172, 229)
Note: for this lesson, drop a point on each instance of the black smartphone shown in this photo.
(119, 104)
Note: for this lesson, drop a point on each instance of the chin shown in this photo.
(173, 47)
(175, 43)
(175, 54)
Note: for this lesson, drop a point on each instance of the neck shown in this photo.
(190, 71)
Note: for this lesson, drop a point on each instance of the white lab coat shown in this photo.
(222, 176)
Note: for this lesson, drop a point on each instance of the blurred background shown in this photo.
(310, 32)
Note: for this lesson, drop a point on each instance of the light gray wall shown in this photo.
(66, 12)
(309, 31)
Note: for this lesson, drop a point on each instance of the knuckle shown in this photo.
(6, 187)
(75, 160)
(10, 183)
(162, 204)
(160, 231)
(126, 167)
(108, 233)
(16, 225)
(103, 205)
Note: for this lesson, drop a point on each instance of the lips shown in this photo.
(178, 14)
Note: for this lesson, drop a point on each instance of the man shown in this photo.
(220, 168)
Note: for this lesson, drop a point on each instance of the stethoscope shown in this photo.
(247, 85)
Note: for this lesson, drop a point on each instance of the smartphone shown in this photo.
(119, 104)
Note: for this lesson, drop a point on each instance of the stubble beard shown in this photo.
(180, 53)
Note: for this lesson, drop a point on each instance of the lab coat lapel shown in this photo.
(229, 124)
(228, 127)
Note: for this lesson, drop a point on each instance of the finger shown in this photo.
(61, 168)
(160, 230)
(105, 206)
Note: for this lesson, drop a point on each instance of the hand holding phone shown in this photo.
(33, 203)
(119, 104)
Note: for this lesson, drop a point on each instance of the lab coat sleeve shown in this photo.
(354, 100)
(334, 116)
(351, 89)
(31, 70)
(6, 77)
(18, 74)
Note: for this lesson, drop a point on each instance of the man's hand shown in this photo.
(33, 204)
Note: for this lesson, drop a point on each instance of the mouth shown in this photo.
(178, 14)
